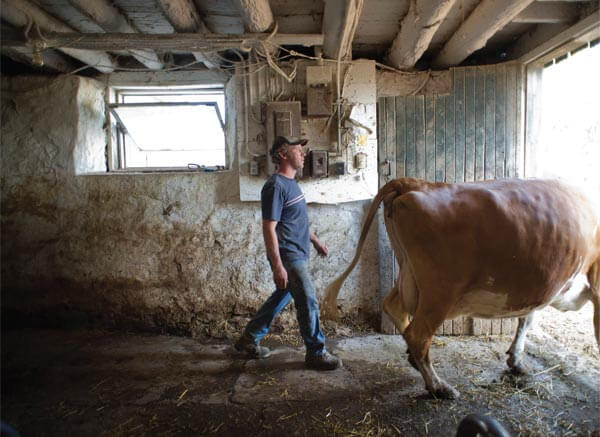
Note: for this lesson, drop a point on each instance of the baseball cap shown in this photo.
(281, 141)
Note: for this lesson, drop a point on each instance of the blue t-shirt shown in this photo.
(282, 201)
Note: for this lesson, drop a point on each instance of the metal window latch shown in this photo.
(386, 168)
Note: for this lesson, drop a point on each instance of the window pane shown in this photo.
(172, 136)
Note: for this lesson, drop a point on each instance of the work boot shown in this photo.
(322, 361)
(251, 348)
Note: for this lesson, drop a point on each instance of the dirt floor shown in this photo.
(92, 382)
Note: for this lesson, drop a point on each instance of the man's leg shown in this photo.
(307, 311)
(260, 323)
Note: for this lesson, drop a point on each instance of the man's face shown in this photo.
(295, 154)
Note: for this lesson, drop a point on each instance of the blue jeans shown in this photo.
(301, 289)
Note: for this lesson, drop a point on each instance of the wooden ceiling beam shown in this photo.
(110, 19)
(486, 19)
(586, 29)
(416, 31)
(21, 13)
(340, 19)
(185, 42)
(534, 38)
(184, 17)
(548, 13)
(50, 59)
(256, 15)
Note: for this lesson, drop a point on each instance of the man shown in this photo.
(287, 236)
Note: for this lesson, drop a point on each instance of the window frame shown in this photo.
(116, 96)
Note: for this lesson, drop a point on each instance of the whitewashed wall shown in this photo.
(177, 252)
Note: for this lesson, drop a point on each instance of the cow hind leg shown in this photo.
(515, 352)
(596, 301)
(418, 336)
(594, 281)
(393, 305)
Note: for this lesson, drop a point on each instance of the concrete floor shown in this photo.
(91, 382)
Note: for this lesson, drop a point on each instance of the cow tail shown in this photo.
(329, 306)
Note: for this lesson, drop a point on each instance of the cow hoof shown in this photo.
(445, 391)
(515, 367)
(518, 369)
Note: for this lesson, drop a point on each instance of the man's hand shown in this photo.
(280, 277)
(320, 247)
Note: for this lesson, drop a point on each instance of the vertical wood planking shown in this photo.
(500, 122)
(439, 132)
(420, 136)
(390, 134)
(471, 134)
(496, 326)
(479, 123)
(454, 172)
(519, 147)
(450, 140)
(411, 151)
(470, 124)
(386, 255)
(509, 326)
(400, 137)
(430, 138)
(391, 150)
(490, 119)
(381, 139)
(459, 122)
(511, 120)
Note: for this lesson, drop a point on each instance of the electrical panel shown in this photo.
(318, 163)
(339, 168)
(319, 99)
(282, 118)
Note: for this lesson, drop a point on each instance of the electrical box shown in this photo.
(318, 100)
(253, 168)
(318, 163)
(282, 118)
(318, 90)
(360, 161)
(339, 168)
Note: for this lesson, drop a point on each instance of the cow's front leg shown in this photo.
(418, 338)
(515, 352)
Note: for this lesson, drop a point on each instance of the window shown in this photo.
(168, 128)
(569, 133)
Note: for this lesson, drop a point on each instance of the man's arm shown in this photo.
(320, 247)
(280, 275)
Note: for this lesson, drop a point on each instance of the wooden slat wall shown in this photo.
(472, 134)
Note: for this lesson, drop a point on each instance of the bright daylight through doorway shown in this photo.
(569, 142)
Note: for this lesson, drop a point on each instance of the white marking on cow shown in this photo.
(573, 295)
(487, 304)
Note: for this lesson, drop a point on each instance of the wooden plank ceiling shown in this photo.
(111, 35)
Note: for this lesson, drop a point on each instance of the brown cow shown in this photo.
(491, 249)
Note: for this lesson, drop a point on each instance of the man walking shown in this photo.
(287, 236)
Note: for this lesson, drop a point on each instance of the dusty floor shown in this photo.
(83, 383)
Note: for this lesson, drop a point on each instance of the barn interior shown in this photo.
(134, 145)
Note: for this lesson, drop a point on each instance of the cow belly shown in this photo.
(487, 304)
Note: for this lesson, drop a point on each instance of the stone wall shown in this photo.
(177, 252)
